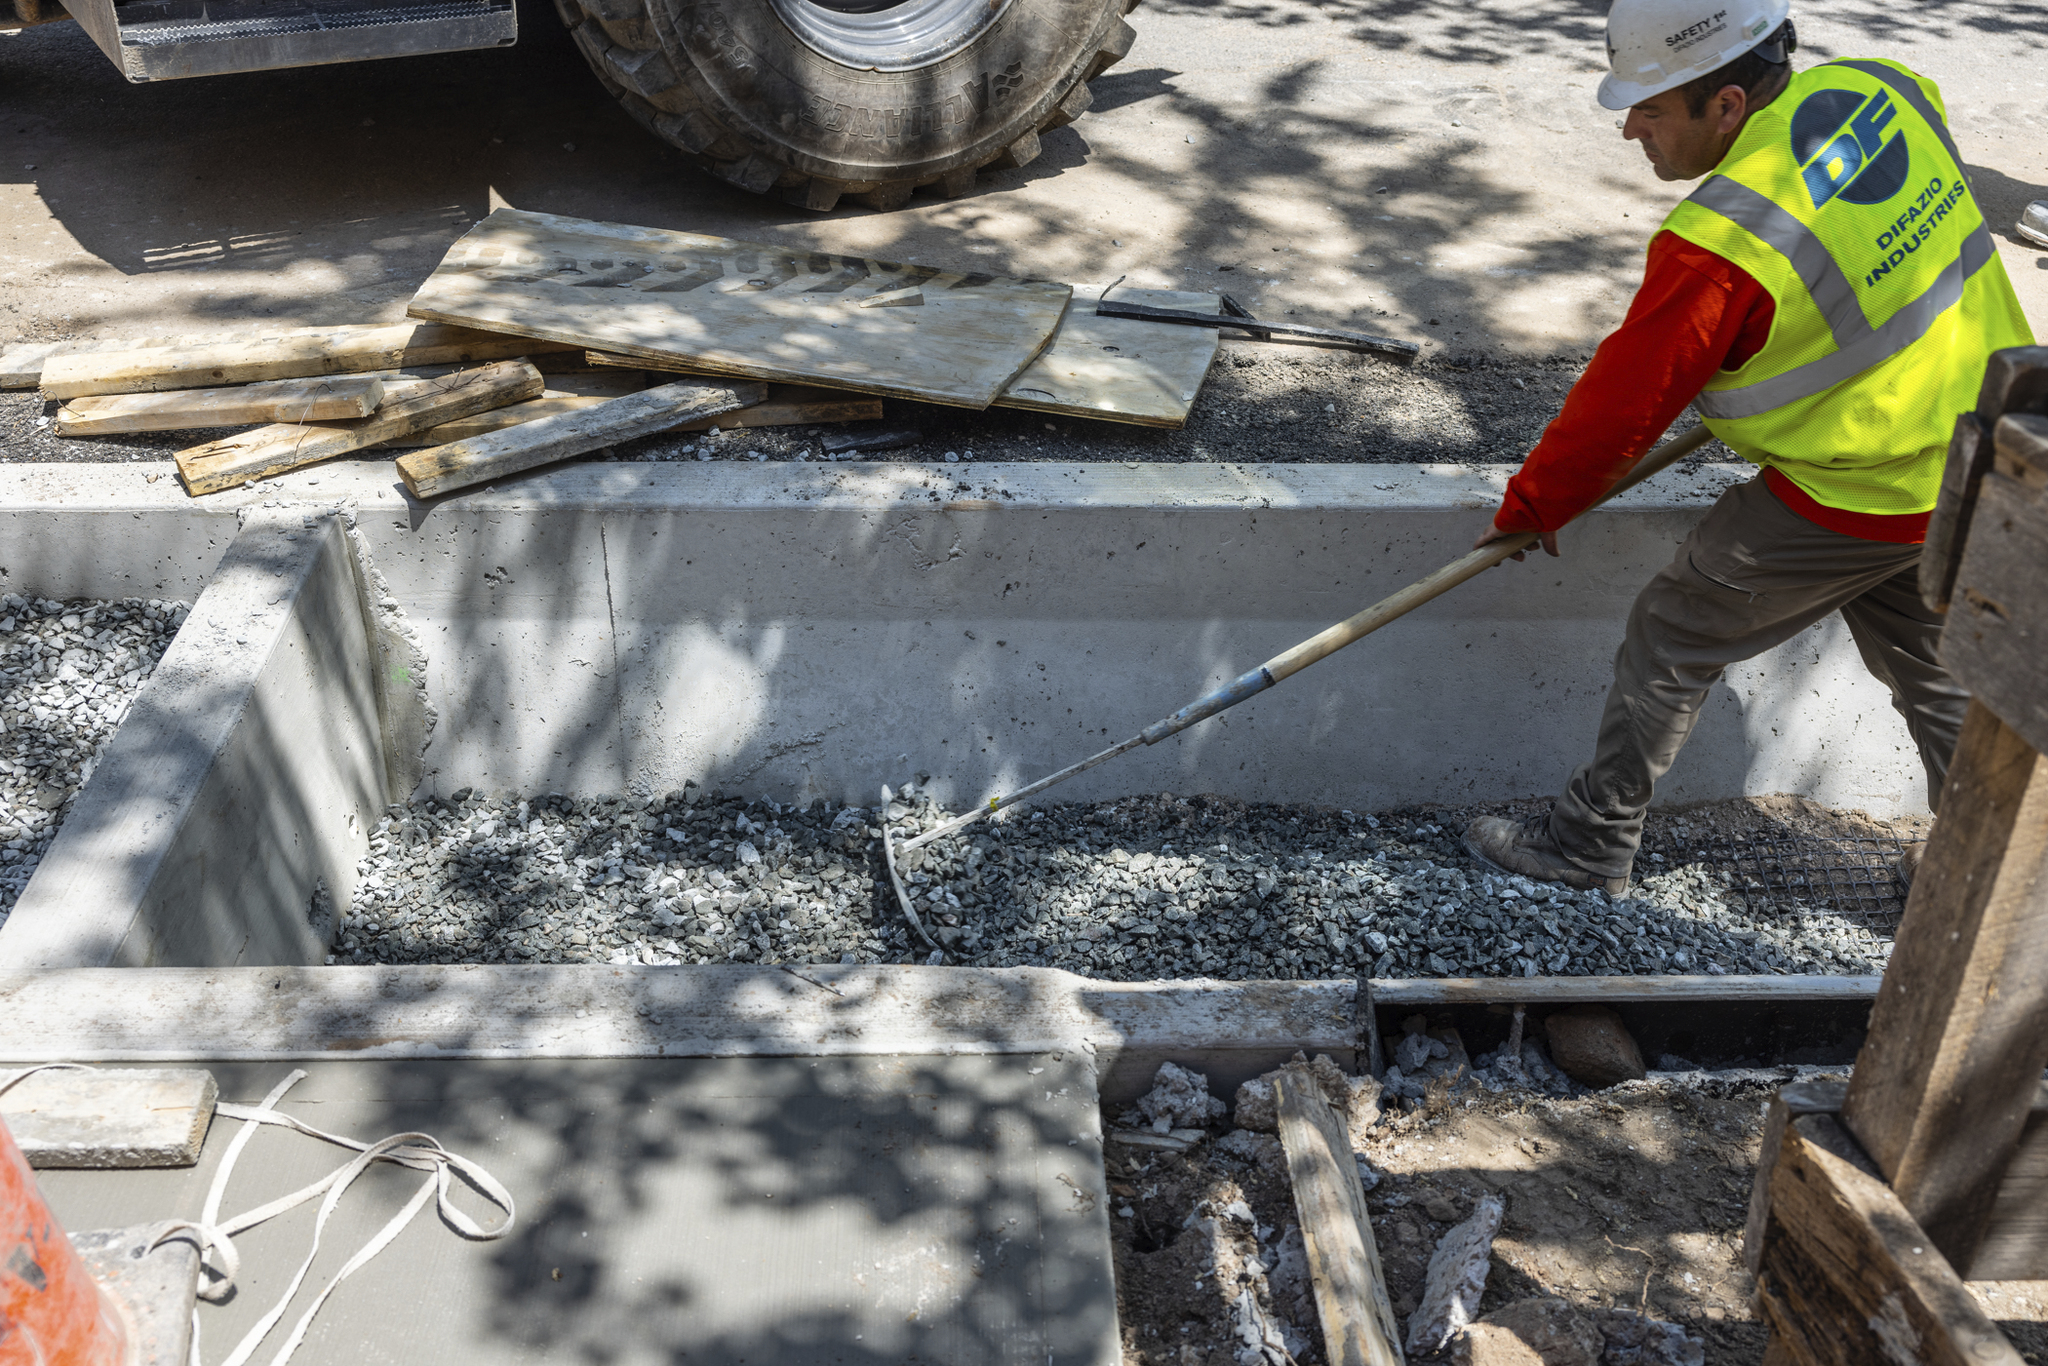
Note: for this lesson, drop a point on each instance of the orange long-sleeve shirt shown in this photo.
(1695, 313)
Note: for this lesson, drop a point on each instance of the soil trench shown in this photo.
(1631, 1198)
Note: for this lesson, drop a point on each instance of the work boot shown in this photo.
(1524, 848)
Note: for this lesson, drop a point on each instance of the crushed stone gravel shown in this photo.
(1146, 887)
(68, 673)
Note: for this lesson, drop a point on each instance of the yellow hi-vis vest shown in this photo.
(1846, 199)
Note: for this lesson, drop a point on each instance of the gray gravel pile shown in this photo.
(1146, 887)
(68, 671)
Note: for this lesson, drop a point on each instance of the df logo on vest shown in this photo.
(1838, 140)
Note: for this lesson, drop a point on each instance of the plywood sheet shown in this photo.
(745, 308)
(1120, 369)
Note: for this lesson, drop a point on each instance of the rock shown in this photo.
(1456, 1278)
(1293, 1291)
(1247, 1146)
(1633, 1339)
(1357, 1099)
(1547, 1329)
(1179, 1099)
(1482, 1344)
(1592, 1046)
(1440, 1209)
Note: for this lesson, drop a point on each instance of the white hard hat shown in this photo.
(1656, 45)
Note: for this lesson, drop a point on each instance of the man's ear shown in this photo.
(1734, 103)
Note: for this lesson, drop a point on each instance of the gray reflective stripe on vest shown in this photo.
(1858, 345)
(1900, 331)
(1811, 261)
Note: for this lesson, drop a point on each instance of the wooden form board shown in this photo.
(334, 398)
(2015, 1242)
(530, 445)
(745, 309)
(1359, 1327)
(1996, 639)
(1848, 1278)
(271, 450)
(345, 351)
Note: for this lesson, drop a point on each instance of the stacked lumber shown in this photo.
(537, 336)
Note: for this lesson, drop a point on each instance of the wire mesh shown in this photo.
(1852, 877)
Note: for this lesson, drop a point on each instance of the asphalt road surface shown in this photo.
(1439, 172)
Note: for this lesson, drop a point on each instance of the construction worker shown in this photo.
(1826, 298)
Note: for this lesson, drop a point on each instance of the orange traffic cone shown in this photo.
(52, 1312)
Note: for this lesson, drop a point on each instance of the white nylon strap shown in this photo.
(421, 1152)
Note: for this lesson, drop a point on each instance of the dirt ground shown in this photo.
(1629, 1198)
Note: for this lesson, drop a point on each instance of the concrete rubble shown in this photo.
(1456, 1278)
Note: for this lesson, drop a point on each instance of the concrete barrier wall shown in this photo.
(815, 630)
(245, 776)
(810, 630)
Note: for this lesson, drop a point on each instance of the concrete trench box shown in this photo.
(804, 633)
(810, 632)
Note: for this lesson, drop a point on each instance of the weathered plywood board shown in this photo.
(21, 364)
(745, 309)
(1120, 369)
(335, 398)
(344, 351)
(271, 450)
(530, 445)
(84, 1117)
(1114, 369)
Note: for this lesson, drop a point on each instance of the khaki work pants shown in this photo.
(1751, 576)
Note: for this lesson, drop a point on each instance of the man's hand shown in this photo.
(1547, 539)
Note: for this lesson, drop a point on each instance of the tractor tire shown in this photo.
(861, 99)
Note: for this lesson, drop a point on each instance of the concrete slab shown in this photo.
(1231, 1031)
(133, 1117)
(772, 1212)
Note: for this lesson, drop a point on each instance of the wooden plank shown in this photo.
(286, 400)
(1849, 1278)
(21, 364)
(2015, 381)
(566, 393)
(744, 308)
(431, 473)
(81, 374)
(1429, 991)
(1121, 370)
(139, 1117)
(271, 450)
(2015, 1243)
(1359, 1328)
(1995, 641)
(1793, 1100)
(1969, 456)
(1959, 1032)
(787, 405)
